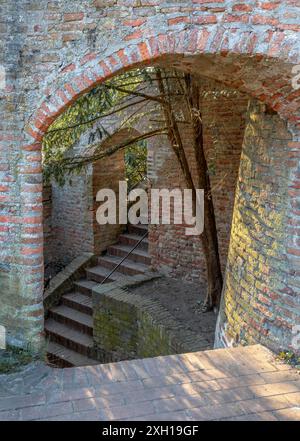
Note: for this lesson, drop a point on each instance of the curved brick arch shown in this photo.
(60, 53)
(236, 70)
(264, 77)
(272, 85)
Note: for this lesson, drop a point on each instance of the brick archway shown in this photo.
(272, 85)
(243, 59)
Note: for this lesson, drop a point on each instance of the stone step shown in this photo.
(63, 357)
(85, 286)
(71, 317)
(78, 301)
(139, 229)
(98, 273)
(127, 267)
(138, 255)
(132, 239)
(68, 337)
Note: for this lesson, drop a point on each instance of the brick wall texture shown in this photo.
(70, 225)
(53, 51)
(223, 117)
(127, 326)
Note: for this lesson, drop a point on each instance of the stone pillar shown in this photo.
(260, 298)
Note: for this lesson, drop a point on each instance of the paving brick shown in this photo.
(168, 416)
(283, 376)
(210, 374)
(70, 394)
(179, 403)
(37, 412)
(119, 387)
(129, 411)
(291, 414)
(82, 416)
(162, 397)
(10, 415)
(293, 398)
(196, 387)
(166, 381)
(18, 402)
(276, 388)
(217, 412)
(261, 416)
(228, 383)
(149, 394)
(97, 403)
(231, 395)
(265, 403)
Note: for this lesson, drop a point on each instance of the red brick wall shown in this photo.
(107, 174)
(72, 219)
(70, 225)
(47, 229)
(261, 296)
(224, 123)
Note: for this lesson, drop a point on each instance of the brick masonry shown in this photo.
(128, 326)
(53, 51)
(70, 225)
(224, 123)
(267, 294)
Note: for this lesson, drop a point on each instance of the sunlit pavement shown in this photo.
(244, 383)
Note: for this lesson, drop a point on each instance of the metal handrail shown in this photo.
(124, 258)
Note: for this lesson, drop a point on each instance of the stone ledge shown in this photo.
(127, 325)
(64, 280)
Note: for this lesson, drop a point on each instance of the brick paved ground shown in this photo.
(224, 384)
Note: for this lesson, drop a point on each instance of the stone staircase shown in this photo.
(69, 326)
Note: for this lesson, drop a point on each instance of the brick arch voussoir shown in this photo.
(91, 69)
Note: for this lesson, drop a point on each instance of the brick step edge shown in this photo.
(58, 314)
(63, 357)
(68, 337)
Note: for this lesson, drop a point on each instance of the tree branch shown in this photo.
(96, 118)
(71, 163)
(131, 92)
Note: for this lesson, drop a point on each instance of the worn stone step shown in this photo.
(78, 301)
(127, 267)
(132, 239)
(138, 255)
(71, 317)
(85, 286)
(98, 274)
(68, 337)
(63, 357)
(139, 229)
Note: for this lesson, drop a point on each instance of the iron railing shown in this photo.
(124, 258)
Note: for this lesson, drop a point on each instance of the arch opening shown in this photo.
(272, 86)
(249, 261)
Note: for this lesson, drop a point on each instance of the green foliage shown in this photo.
(290, 358)
(59, 158)
(60, 139)
(12, 359)
(136, 163)
(80, 117)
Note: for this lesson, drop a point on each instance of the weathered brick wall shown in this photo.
(47, 229)
(261, 294)
(70, 225)
(72, 218)
(128, 326)
(53, 51)
(223, 116)
(107, 174)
